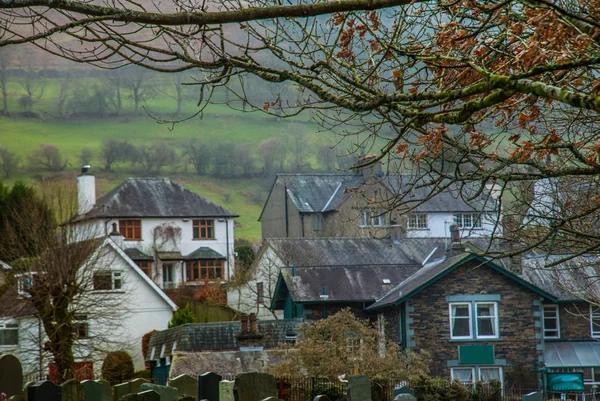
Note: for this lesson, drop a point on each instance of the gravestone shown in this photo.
(403, 390)
(16, 398)
(165, 393)
(44, 391)
(136, 384)
(226, 390)
(186, 398)
(535, 396)
(132, 397)
(186, 385)
(11, 379)
(321, 398)
(254, 386)
(97, 390)
(150, 395)
(359, 388)
(271, 399)
(405, 397)
(130, 387)
(27, 385)
(72, 390)
(208, 386)
(121, 390)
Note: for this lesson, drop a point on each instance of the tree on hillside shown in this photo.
(32, 81)
(9, 162)
(5, 62)
(141, 88)
(112, 151)
(341, 344)
(48, 157)
(487, 96)
(56, 271)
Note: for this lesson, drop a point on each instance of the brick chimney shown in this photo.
(456, 247)
(250, 339)
(86, 190)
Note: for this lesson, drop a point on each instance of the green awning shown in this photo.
(561, 382)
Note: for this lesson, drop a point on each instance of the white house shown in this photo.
(118, 305)
(174, 235)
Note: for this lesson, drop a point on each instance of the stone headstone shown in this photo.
(16, 398)
(535, 396)
(97, 390)
(121, 390)
(226, 390)
(321, 398)
(11, 377)
(186, 398)
(271, 399)
(44, 391)
(72, 390)
(254, 386)
(186, 385)
(403, 390)
(208, 386)
(132, 397)
(27, 385)
(406, 397)
(130, 387)
(359, 388)
(150, 395)
(136, 384)
(166, 393)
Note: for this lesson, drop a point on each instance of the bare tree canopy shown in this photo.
(487, 95)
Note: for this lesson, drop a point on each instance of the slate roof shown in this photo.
(354, 251)
(570, 280)
(343, 283)
(154, 197)
(205, 253)
(221, 336)
(321, 193)
(136, 254)
(318, 193)
(451, 200)
(432, 272)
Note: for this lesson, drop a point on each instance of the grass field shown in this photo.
(219, 123)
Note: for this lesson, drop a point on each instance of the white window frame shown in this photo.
(553, 308)
(494, 316)
(372, 217)
(594, 315)
(82, 320)
(476, 373)
(460, 219)
(116, 280)
(417, 221)
(24, 283)
(473, 318)
(10, 325)
(468, 318)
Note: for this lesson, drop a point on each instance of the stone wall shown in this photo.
(519, 342)
(575, 322)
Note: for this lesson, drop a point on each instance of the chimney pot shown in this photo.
(253, 323)
(244, 319)
(86, 190)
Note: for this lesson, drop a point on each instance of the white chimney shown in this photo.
(86, 190)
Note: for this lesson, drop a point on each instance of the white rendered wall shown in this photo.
(439, 227)
(244, 298)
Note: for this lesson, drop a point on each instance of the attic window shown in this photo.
(387, 281)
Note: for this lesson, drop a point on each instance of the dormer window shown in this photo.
(203, 229)
(131, 229)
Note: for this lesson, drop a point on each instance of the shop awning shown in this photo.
(572, 354)
(561, 382)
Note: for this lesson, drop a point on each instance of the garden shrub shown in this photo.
(117, 367)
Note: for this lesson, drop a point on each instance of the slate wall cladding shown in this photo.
(517, 344)
(575, 322)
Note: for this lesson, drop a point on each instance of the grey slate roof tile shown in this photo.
(154, 197)
(205, 253)
(136, 254)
